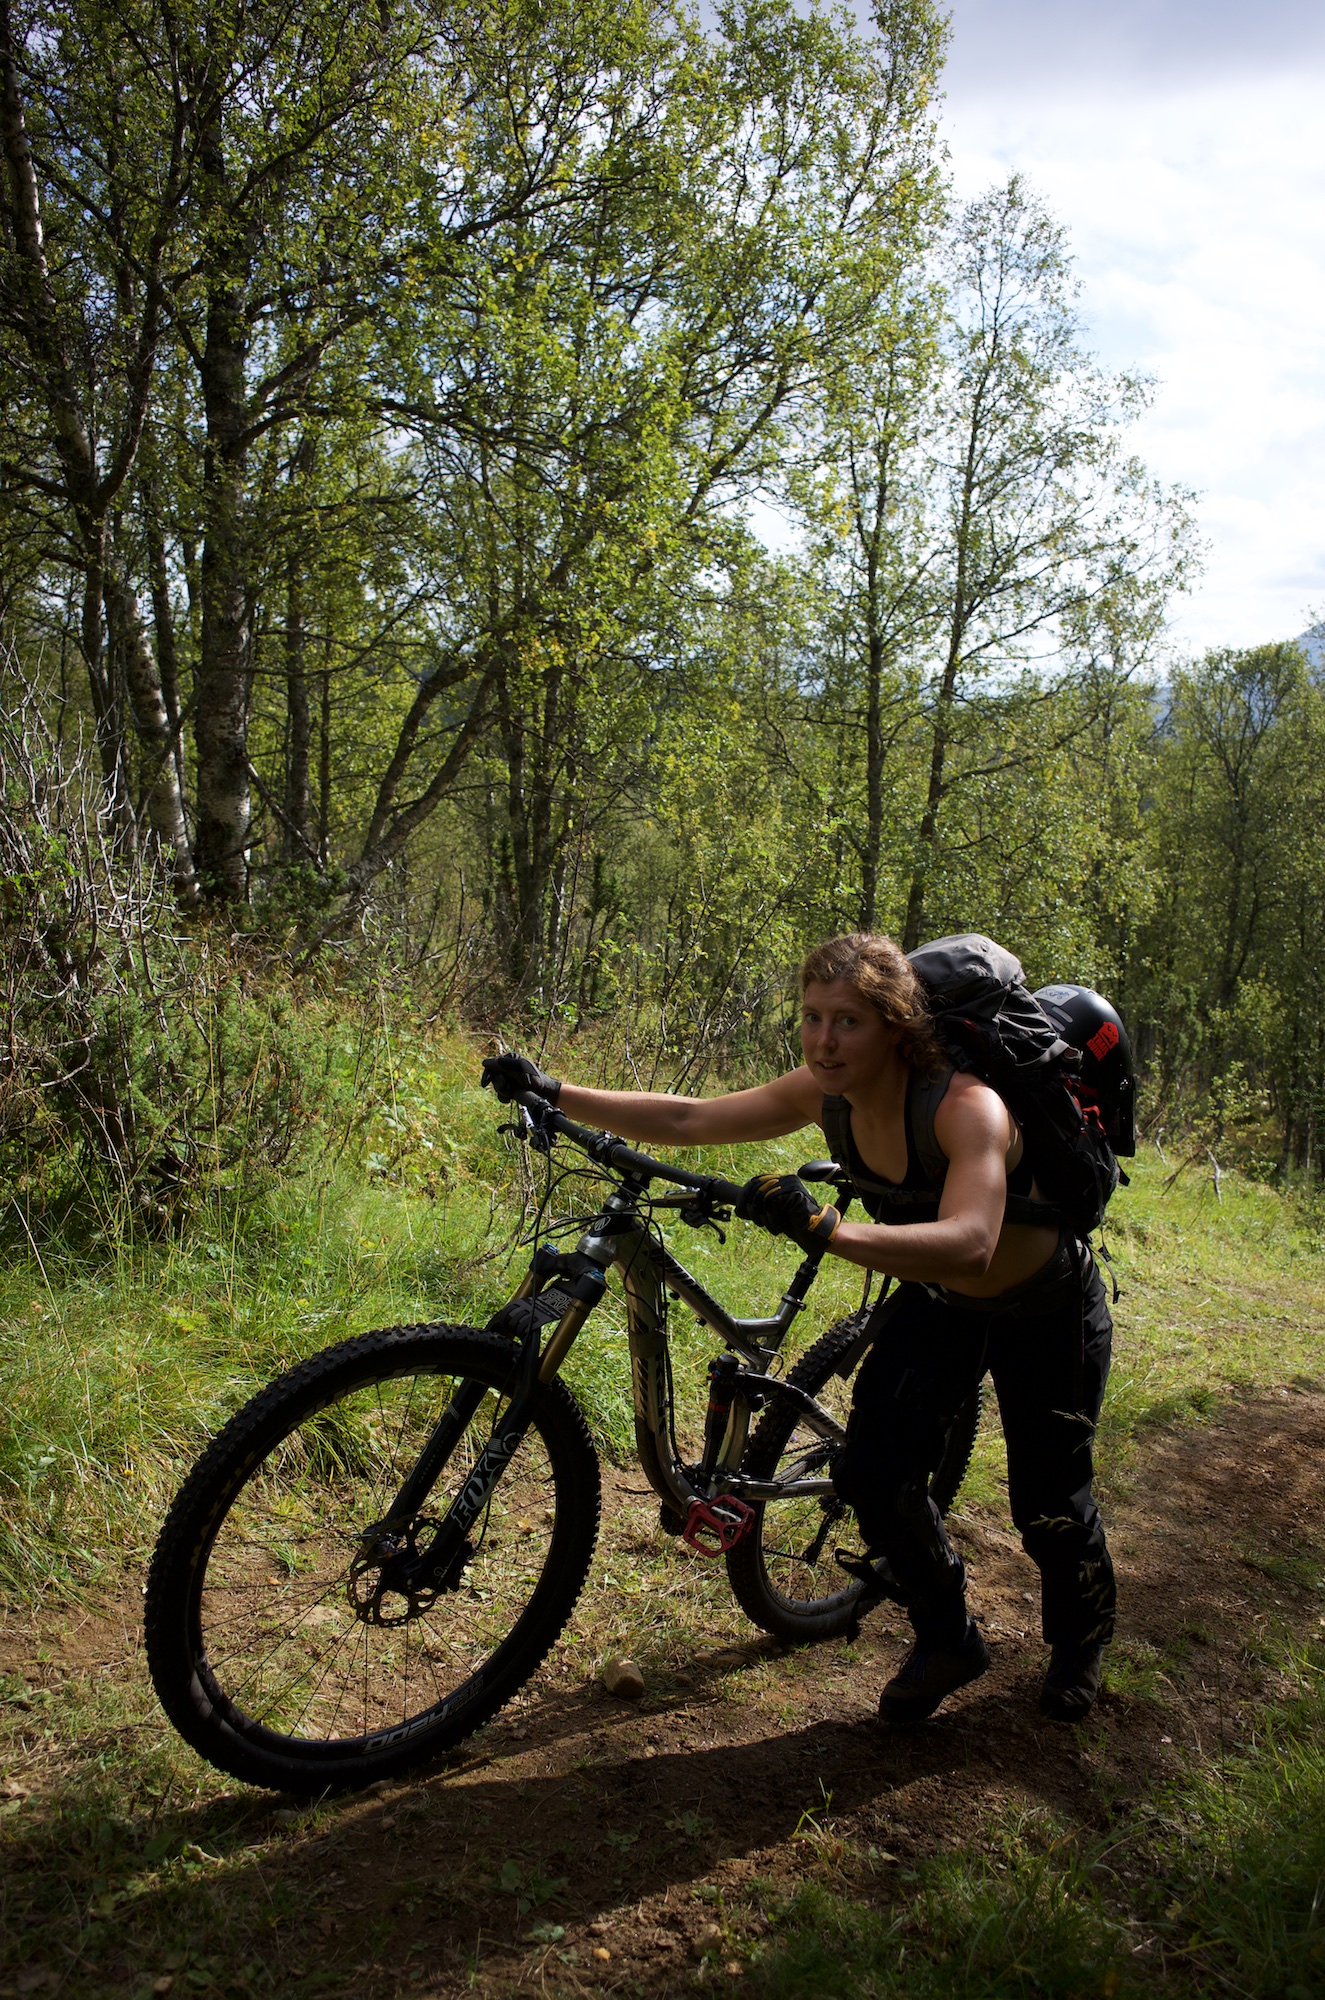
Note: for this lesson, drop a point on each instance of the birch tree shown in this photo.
(865, 498)
(623, 373)
(1048, 526)
(80, 423)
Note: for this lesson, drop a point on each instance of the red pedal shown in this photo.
(715, 1526)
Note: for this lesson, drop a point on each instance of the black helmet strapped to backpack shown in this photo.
(1089, 1023)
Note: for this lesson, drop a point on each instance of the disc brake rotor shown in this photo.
(386, 1568)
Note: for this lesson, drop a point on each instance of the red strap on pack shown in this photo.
(715, 1526)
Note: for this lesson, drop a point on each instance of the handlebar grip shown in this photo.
(614, 1152)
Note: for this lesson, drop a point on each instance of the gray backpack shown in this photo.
(991, 1025)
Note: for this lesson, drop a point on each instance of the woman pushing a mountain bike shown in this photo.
(380, 1548)
(991, 1277)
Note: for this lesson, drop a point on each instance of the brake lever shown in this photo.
(530, 1129)
(701, 1217)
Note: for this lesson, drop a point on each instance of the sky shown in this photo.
(1182, 146)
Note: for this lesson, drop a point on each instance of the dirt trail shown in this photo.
(636, 1831)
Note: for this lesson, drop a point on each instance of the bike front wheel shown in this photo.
(269, 1647)
(783, 1572)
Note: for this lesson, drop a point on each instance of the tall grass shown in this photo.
(119, 1357)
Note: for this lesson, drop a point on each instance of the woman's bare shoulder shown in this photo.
(970, 1110)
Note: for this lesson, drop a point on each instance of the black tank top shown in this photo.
(915, 1198)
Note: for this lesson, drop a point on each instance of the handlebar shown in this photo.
(609, 1151)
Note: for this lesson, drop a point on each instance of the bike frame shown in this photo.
(560, 1291)
(648, 1274)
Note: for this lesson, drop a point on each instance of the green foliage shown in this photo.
(995, 568)
(1216, 1886)
(448, 350)
(1225, 974)
(385, 413)
(154, 1069)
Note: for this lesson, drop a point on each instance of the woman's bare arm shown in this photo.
(769, 1111)
(973, 1128)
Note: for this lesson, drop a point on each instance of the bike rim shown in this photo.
(798, 1536)
(283, 1653)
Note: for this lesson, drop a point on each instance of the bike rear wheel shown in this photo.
(267, 1646)
(783, 1572)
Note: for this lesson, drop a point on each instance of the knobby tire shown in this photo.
(257, 1649)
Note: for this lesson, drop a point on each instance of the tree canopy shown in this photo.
(395, 409)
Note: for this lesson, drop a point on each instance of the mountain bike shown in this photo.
(380, 1548)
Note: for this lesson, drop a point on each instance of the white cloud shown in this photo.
(1147, 45)
(1195, 216)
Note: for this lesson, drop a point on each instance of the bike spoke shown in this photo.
(285, 1640)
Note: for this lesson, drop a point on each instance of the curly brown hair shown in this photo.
(881, 973)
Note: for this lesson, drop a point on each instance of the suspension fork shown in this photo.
(564, 1307)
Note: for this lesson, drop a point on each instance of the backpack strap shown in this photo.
(1039, 1214)
(835, 1116)
(925, 1096)
(836, 1120)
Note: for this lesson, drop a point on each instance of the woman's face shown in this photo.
(845, 1042)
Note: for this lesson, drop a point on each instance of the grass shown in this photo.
(115, 1367)
(1218, 1295)
(1216, 1885)
(117, 1361)
(1218, 1298)
(1009, 1922)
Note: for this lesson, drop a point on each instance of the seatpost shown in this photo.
(808, 1269)
(806, 1272)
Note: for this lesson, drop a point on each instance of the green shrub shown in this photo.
(149, 1063)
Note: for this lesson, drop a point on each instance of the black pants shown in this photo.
(1048, 1352)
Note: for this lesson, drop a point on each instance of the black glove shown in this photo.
(784, 1206)
(510, 1074)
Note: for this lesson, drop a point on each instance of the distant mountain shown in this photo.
(1313, 644)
